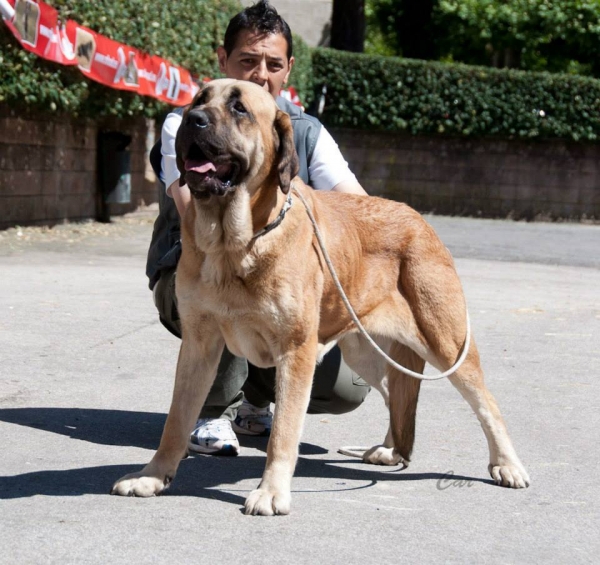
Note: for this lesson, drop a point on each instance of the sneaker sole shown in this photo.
(225, 451)
(246, 432)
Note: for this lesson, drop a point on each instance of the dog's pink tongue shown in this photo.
(199, 166)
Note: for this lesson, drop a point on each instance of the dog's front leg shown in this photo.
(196, 370)
(292, 395)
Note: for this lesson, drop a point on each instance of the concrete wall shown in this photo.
(49, 172)
(478, 177)
(310, 19)
(49, 169)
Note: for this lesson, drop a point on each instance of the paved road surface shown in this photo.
(85, 383)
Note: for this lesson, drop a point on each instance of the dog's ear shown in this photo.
(288, 164)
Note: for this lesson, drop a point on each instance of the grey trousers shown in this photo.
(336, 389)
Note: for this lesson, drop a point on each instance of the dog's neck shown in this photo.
(222, 229)
(266, 206)
(223, 224)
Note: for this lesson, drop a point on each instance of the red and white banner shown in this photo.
(36, 26)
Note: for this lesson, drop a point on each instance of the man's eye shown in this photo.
(239, 107)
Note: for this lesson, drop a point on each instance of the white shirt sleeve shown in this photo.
(169, 163)
(327, 167)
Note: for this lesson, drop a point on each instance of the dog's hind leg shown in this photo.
(196, 370)
(400, 394)
(403, 399)
(505, 467)
(435, 295)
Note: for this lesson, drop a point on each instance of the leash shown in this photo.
(359, 451)
(361, 328)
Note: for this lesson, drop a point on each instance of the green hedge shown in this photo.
(185, 32)
(372, 92)
(367, 92)
(301, 76)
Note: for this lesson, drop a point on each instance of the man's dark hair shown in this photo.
(260, 18)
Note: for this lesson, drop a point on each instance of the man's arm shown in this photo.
(350, 187)
(329, 170)
(181, 195)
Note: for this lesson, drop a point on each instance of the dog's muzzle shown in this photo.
(209, 169)
(206, 177)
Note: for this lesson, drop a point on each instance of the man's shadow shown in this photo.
(197, 476)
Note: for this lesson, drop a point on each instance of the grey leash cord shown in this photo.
(361, 328)
(359, 451)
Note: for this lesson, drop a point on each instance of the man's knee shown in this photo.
(166, 303)
(336, 389)
(349, 392)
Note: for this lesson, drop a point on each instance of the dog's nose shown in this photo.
(197, 118)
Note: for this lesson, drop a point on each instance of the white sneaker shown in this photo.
(253, 421)
(214, 436)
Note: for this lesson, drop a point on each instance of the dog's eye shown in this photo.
(239, 108)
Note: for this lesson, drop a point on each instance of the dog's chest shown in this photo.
(255, 331)
(255, 320)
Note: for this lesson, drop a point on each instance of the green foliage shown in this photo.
(539, 35)
(542, 34)
(185, 32)
(29, 82)
(405, 28)
(301, 75)
(381, 18)
(371, 92)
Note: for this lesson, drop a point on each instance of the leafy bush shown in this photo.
(381, 37)
(371, 92)
(301, 75)
(536, 35)
(541, 34)
(186, 33)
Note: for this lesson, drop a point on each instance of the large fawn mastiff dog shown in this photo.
(271, 299)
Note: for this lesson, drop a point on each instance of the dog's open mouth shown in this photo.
(206, 175)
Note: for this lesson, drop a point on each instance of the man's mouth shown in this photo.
(207, 175)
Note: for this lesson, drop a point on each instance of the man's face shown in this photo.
(261, 59)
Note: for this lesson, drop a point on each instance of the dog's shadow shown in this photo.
(197, 476)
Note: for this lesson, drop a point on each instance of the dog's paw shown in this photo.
(139, 484)
(381, 455)
(512, 476)
(263, 502)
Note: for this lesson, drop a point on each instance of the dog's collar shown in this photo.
(286, 206)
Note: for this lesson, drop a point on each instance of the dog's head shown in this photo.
(233, 134)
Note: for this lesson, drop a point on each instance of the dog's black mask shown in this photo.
(203, 157)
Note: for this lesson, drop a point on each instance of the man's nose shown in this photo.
(261, 72)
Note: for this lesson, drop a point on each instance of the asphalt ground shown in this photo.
(86, 373)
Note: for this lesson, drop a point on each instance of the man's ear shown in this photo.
(288, 164)
(290, 66)
(222, 58)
